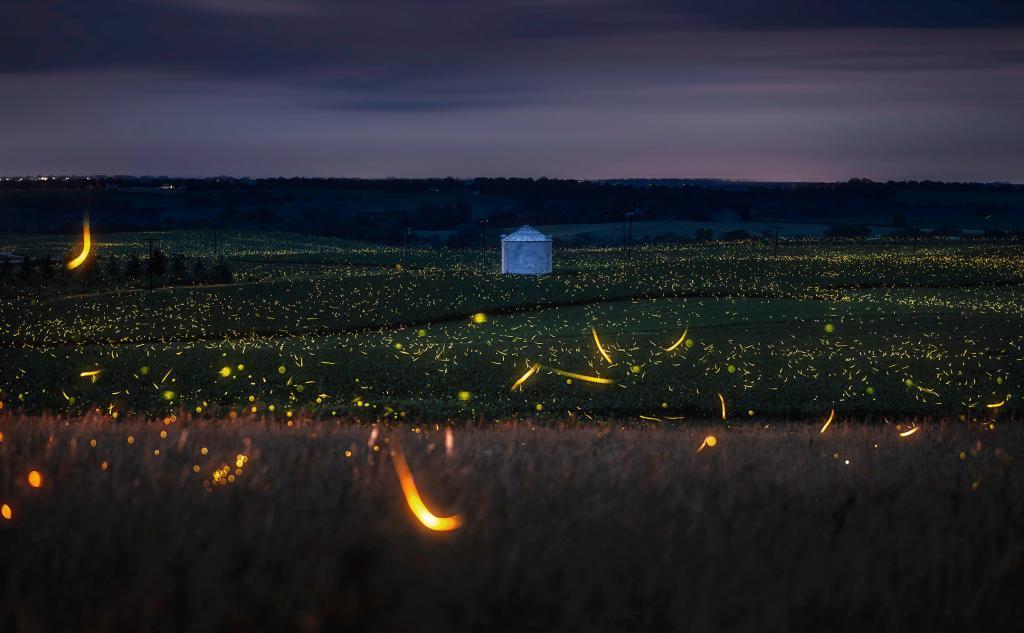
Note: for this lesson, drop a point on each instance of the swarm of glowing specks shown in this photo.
(412, 498)
(305, 350)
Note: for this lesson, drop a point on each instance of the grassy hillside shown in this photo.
(316, 325)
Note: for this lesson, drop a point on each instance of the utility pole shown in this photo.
(215, 240)
(149, 264)
(913, 249)
(627, 228)
(483, 243)
(405, 253)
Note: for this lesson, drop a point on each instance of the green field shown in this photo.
(316, 326)
(221, 456)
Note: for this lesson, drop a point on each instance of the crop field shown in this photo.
(655, 335)
(687, 437)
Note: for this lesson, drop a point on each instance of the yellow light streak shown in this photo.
(412, 497)
(910, 432)
(996, 405)
(709, 441)
(831, 416)
(529, 372)
(680, 341)
(600, 347)
(583, 377)
(86, 244)
(722, 399)
(91, 374)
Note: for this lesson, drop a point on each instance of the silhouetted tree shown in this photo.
(46, 267)
(847, 232)
(199, 271)
(948, 231)
(134, 268)
(158, 263)
(6, 266)
(736, 235)
(222, 272)
(178, 267)
(26, 268)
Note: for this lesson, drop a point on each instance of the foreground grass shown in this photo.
(597, 527)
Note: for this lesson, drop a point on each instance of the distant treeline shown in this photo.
(838, 233)
(40, 272)
(386, 210)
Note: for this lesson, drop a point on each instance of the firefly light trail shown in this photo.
(86, 244)
(679, 342)
(600, 347)
(412, 497)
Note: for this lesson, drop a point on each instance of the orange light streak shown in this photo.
(412, 497)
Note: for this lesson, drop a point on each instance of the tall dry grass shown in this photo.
(566, 529)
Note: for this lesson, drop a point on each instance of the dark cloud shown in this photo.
(266, 36)
(565, 87)
(801, 14)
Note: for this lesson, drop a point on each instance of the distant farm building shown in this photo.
(526, 252)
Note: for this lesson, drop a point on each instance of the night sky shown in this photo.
(751, 89)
